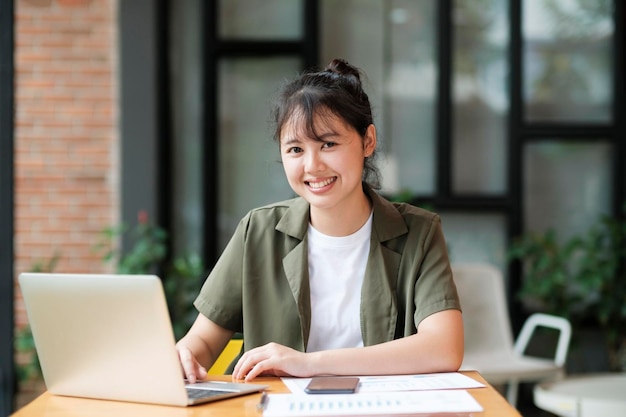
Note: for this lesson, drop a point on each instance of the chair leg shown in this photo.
(511, 392)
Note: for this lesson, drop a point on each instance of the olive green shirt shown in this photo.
(260, 284)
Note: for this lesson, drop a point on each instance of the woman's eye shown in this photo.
(329, 144)
(294, 149)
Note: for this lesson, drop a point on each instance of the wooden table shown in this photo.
(48, 405)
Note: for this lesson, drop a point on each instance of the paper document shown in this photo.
(391, 383)
(388, 403)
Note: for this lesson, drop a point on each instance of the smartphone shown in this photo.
(332, 385)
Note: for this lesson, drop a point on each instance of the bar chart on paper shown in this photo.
(387, 403)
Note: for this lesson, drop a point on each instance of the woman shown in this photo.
(337, 281)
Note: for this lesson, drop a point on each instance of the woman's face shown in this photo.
(326, 171)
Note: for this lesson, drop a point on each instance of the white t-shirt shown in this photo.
(336, 271)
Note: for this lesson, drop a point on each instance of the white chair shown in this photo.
(489, 345)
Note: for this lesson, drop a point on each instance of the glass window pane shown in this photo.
(480, 101)
(568, 60)
(476, 238)
(267, 19)
(353, 30)
(410, 97)
(566, 186)
(394, 42)
(250, 172)
(186, 68)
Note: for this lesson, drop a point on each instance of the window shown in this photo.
(486, 110)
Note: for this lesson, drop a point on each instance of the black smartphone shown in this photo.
(332, 385)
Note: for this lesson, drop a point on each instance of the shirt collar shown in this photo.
(388, 222)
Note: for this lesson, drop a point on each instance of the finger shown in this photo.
(237, 368)
(201, 372)
(242, 368)
(245, 363)
(270, 366)
(188, 364)
(255, 371)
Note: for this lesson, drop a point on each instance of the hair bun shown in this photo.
(342, 67)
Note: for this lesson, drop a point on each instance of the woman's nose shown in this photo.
(313, 162)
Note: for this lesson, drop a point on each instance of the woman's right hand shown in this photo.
(192, 370)
(202, 344)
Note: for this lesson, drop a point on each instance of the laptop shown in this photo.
(110, 337)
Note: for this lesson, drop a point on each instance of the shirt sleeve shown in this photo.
(434, 289)
(220, 298)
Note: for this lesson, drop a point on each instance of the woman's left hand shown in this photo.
(272, 359)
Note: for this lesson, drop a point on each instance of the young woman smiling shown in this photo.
(338, 281)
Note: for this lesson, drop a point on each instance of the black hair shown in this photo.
(335, 90)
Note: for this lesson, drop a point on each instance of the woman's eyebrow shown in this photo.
(290, 141)
(296, 140)
(326, 135)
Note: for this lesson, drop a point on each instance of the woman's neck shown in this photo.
(342, 221)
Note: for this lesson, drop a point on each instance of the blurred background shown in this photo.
(135, 135)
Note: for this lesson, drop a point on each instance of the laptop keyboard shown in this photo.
(195, 393)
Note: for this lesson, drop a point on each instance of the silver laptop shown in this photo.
(110, 337)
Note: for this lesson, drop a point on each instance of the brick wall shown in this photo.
(66, 163)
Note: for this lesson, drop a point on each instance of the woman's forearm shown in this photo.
(205, 340)
(437, 347)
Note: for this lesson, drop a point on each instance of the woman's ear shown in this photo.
(369, 141)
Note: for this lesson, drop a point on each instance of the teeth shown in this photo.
(321, 183)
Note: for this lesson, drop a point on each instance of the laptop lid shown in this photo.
(108, 337)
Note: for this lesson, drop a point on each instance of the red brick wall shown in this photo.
(66, 164)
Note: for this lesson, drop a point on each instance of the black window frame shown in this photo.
(306, 48)
(7, 274)
(519, 133)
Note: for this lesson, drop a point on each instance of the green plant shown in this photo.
(27, 365)
(582, 278)
(147, 246)
(181, 288)
(550, 276)
(605, 267)
(47, 265)
(147, 254)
